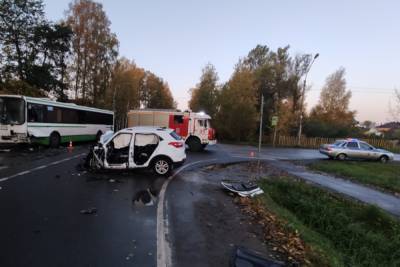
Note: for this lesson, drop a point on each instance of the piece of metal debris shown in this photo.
(89, 211)
(243, 257)
(243, 189)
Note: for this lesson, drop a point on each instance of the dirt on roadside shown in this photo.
(220, 221)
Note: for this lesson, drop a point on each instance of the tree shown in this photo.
(19, 20)
(95, 50)
(332, 117)
(124, 93)
(237, 116)
(204, 95)
(277, 77)
(395, 110)
(155, 93)
(33, 50)
(368, 124)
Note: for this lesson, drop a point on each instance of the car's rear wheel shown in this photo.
(341, 156)
(162, 166)
(384, 159)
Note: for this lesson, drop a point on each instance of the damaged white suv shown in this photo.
(139, 147)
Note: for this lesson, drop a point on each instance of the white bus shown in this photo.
(26, 119)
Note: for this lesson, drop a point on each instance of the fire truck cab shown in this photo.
(194, 127)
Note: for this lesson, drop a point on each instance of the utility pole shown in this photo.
(275, 119)
(261, 125)
(113, 104)
(302, 102)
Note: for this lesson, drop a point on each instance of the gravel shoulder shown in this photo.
(205, 223)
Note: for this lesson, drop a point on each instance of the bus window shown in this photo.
(35, 113)
(53, 114)
(12, 110)
(70, 116)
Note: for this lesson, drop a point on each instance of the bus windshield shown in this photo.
(12, 110)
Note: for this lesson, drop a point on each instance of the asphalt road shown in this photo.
(43, 192)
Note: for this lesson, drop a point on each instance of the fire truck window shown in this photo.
(178, 119)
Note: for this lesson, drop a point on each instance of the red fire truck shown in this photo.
(194, 127)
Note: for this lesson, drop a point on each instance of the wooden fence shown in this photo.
(316, 142)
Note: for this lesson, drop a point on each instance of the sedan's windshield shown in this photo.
(12, 110)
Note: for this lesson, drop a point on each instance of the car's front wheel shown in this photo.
(341, 156)
(384, 159)
(162, 166)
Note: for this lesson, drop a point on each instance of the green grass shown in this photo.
(385, 176)
(339, 231)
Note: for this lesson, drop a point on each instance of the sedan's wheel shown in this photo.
(341, 157)
(384, 159)
(162, 167)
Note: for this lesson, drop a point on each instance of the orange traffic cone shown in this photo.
(70, 146)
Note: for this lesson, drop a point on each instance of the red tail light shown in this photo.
(176, 144)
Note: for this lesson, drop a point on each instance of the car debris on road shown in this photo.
(89, 211)
(243, 189)
(245, 257)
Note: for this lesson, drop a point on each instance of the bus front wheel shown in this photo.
(54, 140)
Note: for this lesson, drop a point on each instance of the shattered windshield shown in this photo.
(12, 110)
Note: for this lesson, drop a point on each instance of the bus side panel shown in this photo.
(68, 132)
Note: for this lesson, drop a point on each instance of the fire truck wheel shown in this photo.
(195, 144)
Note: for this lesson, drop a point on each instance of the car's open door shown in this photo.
(118, 151)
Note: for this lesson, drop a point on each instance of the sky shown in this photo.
(176, 39)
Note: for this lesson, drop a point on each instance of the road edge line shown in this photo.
(40, 167)
(163, 246)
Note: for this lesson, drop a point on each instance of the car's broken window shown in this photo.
(145, 144)
(122, 140)
(145, 139)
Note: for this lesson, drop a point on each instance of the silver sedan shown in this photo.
(355, 149)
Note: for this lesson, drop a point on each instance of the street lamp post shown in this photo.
(302, 102)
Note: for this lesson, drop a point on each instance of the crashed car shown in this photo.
(160, 149)
(355, 149)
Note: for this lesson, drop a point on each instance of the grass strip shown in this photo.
(385, 176)
(340, 232)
